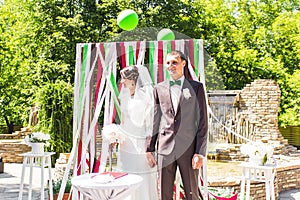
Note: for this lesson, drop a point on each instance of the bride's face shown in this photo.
(128, 83)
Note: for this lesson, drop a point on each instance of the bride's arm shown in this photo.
(122, 118)
(152, 139)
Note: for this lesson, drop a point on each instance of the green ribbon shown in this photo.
(196, 58)
(166, 51)
(116, 92)
(151, 60)
(131, 55)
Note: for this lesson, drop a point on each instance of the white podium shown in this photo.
(36, 160)
(252, 172)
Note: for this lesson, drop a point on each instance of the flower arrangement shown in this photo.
(37, 137)
(222, 194)
(186, 93)
(259, 153)
(113, 133)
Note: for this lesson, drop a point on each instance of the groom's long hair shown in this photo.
(186, 71)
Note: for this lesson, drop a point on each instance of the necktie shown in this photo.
(177, 82)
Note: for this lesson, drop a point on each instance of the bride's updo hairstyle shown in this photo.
(130, 73)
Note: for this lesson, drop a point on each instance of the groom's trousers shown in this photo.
(167, 166)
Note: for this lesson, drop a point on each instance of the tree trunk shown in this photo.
(10, 125)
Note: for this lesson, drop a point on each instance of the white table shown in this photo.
(252, 172)
(117, 189)
(36, 160)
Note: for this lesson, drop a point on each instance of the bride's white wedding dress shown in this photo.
(136, 122)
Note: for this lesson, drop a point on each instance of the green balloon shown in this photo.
(127, 20)
(165, 34)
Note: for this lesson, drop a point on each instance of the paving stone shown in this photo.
(10, 183)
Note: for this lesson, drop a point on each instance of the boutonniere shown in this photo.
(186, 93)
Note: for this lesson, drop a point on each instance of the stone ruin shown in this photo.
(251, 113)
(12, 145)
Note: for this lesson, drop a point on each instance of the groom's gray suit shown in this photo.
(177, 136)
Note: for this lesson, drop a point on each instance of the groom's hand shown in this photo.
(151, 159)
(197, 161)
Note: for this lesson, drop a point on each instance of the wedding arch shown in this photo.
(96, 90)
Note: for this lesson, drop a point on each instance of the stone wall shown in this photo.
(61, 166)
(15, 135)
(10, 151)
(256, 118)
(11, 145)
(259, 102)
(232, 152)
(287, 178)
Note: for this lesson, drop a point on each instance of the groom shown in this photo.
(179, 130)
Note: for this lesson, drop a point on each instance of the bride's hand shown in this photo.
(151, 159)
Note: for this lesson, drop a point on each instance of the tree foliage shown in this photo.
(15, 86)
(55, 116)
(245, 39)
(251, 40)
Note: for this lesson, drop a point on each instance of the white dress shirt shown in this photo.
(176, 93)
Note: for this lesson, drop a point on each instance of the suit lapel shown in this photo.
(179, 102)
(185, 84)
(168, 96)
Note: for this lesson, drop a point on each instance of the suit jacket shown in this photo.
(185, 129)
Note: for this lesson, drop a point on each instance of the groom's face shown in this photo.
(175, 66)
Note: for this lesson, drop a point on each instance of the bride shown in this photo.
(136, 99)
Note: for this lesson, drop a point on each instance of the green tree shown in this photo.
(14, 68)
(55, 116)
(245, 39)
(59, 26)
(251, 40)
(286, 52)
